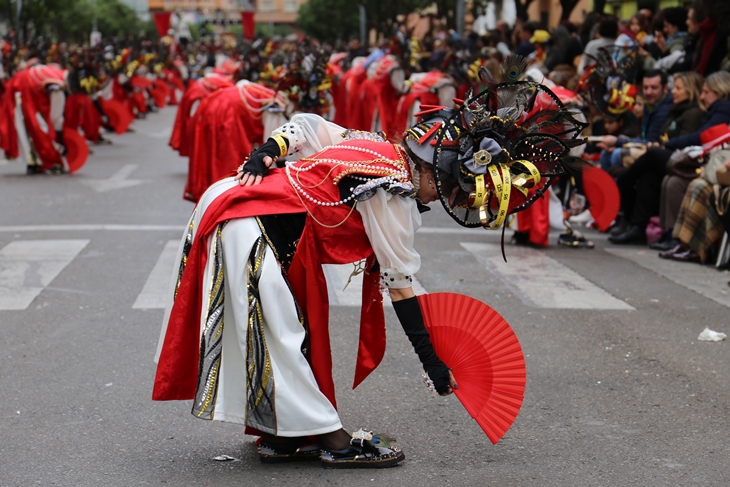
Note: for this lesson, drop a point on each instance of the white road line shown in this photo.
(155, 289)
(543, 282)
(337, 276)
(704, 280)
(452, 230)
(180, 228)
(91, 227)
(118, 180)
(28, 266)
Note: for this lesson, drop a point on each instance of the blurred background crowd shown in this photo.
(650, 77)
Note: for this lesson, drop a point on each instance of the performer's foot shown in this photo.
(336, 440)
(365, 450)
(33, 169)
(277, 449)
(56, 169)
(103, 141)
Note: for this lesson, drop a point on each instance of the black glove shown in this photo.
(59, 139)
(410, 317)
(255, 164)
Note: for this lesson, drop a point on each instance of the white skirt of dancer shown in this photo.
(260, 377)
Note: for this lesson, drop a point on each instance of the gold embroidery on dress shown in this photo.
(210, 343)
(259, 373)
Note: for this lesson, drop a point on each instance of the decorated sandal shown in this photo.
(282, 453)
(367, 450)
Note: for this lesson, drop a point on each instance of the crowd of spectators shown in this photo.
(682, 64)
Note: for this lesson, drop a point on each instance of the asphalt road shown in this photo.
(618, 396)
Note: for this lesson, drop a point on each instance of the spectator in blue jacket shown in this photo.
(637, 200)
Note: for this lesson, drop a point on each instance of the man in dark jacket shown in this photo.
(657, 107)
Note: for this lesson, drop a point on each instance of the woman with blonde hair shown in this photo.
(686, 93)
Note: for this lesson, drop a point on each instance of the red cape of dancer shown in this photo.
(421, 91)
(80, 112)
(177, 371)
(183, 132)
(352, 82)
(227, 125)
(159, 90)
(120, 94)
(140, 85)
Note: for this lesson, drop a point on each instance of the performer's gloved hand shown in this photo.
(253, 170)
(410, 316)
(61, 142)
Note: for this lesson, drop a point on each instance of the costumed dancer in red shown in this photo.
(246, 328)
(33, 107)
(228, 123)
(183, 132)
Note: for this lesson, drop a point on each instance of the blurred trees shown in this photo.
(338, 20)
(72, 20)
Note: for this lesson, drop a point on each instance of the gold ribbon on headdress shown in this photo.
(503, 185)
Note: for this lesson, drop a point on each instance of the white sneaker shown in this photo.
(584, 217)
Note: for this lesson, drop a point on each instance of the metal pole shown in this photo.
(362, 24)
(19, 8)
(460, 17)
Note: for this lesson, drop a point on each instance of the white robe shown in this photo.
(298, 406)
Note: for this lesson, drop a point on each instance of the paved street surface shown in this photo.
(619, 392)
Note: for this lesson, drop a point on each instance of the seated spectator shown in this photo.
(625, 124)
(672, 46)
(524, 34)
(698, 225)
(607, 32)
(657, 103)
(558, 48)
(640, 185)
(710, 40)
(655, 38)
(540, 40)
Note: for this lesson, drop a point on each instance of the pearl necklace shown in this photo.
(389, 180)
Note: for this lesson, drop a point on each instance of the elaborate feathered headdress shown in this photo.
(609, 81)
(500, 150)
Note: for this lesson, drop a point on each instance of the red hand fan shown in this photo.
(77, 152)
(484, 355)
(602, 194)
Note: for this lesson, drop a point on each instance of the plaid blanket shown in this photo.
(698, 225)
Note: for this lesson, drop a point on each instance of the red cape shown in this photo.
(227, 125)
(80, 113)
(346, 241)
(183, 132)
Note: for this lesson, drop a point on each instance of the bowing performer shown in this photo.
(33, 108)
(246, 328)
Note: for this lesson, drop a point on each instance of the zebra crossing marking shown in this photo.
(154, 292)
(28, 266)
(542, 281)
(156, 287)
(703, 280)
